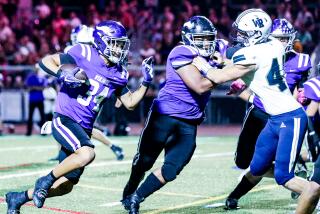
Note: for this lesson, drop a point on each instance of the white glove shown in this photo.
(46, 128)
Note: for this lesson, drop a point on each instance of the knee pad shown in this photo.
(169, 172)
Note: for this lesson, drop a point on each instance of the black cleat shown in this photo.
(118, 151)
(135, 201)
(126, 203)
(231, 204)
(14, 201)
(40, 192)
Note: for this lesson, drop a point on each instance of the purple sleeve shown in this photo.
(77, 52)
(221, 46)
(312, 89)
(182, 55)
(304, 62)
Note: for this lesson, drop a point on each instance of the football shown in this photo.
(81, 74)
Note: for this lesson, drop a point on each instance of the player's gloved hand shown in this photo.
(147, 70)
(202, 65)
(236, 87)
(68, 78)
(301, 97)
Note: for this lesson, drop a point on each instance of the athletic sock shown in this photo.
(26, 196)
(149, 186)
(242, 188)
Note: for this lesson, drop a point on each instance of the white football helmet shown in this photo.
(81, 34)
(252, 26)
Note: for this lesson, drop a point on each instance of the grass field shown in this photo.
(206, 180)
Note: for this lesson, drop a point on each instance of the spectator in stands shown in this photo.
(1, 86)
(35, 83)
(50, 95)
(147, 50)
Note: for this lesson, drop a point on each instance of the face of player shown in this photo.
(118, 48)
(283, 40)
(204, 42)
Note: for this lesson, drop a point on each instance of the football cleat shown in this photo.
(126, 203)
(14, 201)
(232, 204)
(118, 151)
(40, 192)
(135, 201)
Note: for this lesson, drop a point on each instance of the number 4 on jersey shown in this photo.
(274, 77)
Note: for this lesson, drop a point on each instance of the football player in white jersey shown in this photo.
(296, 67)
(260, 65)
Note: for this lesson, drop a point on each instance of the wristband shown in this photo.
(145, 83)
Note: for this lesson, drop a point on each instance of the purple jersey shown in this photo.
(82, 104)
(175, 98)
(312, 89)
(221, 46)
(296, 67)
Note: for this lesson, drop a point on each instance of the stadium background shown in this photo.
(31, 29)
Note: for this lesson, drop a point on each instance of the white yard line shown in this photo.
(24, 148)
(110, 204)
(106, 163)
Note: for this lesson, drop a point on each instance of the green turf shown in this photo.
(206, 180)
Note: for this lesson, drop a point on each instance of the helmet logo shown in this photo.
(258, 22)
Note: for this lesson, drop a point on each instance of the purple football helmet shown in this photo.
(200, 33)
(283, 30)
(111, 40)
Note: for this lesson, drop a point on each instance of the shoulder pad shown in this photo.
(312, 89)
(244, 56)
(182, 55)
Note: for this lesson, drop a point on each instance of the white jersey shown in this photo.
(267, 81)
(84, 36)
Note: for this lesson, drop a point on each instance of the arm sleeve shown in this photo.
(181, 56)
(312, 89)
(66, 59)
(121, 91)
(244, 56)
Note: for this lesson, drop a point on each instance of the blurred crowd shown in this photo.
(31, 29)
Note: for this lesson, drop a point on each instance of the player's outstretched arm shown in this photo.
(194, 80)
(50, 64)
(131, 99)
(226, 74)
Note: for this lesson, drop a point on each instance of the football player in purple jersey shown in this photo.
(177, 111)
(310, 196)
(84, 35)
(78, 104)
(296, 68)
